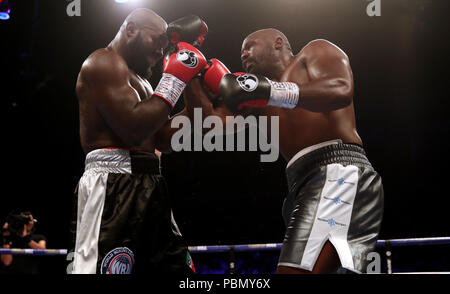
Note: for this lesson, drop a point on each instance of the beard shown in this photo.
(138, 60)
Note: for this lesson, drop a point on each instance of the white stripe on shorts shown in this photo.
(91, 198)
(333, 216)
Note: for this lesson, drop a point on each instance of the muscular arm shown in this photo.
(107, 79)
(331, 79)
(6, 258)
(42, 244)
(164, 135)
(195, 96)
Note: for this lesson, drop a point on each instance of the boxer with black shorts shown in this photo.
(124, 218)
(334, 207)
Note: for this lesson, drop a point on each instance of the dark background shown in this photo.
(400, 65)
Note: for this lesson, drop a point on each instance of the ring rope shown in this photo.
(244, 247)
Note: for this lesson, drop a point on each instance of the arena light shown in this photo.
(4, 16)
(4, 10)
(126, 1)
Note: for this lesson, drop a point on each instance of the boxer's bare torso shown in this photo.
(300, 128)
(325, 109)
(95, 133)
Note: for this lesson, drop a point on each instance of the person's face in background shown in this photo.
(30, 225)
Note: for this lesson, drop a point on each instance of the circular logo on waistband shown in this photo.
(118, 261)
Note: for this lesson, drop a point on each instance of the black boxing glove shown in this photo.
(252, 90)
(189, 29)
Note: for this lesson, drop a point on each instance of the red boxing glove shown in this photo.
(185, 63)
(180, 68)
(215, 70)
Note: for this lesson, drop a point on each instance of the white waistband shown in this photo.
(108, 160)
(312, 148)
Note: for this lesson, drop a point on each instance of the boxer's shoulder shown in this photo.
(320, 47)
(104, 64)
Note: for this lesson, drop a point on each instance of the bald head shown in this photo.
(265, 52)
(143, 17)
(270, 35)
(141, 40)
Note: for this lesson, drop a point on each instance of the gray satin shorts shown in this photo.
(336, 195)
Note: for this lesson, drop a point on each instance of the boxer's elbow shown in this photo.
(342, 93)
(141, 130)
(163, 143)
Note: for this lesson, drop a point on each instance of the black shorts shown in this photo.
(336, 195)
(124, 220)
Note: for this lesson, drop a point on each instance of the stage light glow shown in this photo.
(4, 16)
(126, 1)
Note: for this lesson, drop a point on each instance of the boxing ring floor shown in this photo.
(386, 248)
